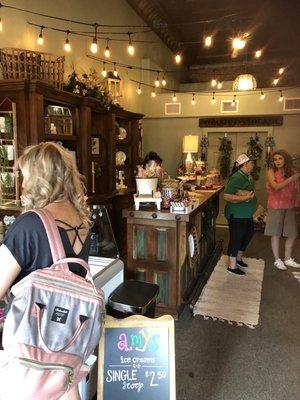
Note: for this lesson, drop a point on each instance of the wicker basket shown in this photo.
(28, 64)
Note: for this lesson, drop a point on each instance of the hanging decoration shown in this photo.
(269, 144)
(254, 152)
(204, 145)
(225, 150)
(89, 85)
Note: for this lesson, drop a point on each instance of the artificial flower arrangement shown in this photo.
(89, 85)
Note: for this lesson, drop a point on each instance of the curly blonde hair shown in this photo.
(50, 174)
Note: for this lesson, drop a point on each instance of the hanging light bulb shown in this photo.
(153, 93)
(208, 41)
(67, 45)
(262, 95)
(164, 82)
(40, 39)
(157, 83)
(213, 82)
(115, 72)
(139, 90)
(275, 81)
(213, 100)
(220, 85)
(233, 101)
(174, 98)
(107, 50)
(258, 53)
(104, 72)
(193, 100)
(238, 43)
(281, 71)
(280, 97)
(130, 47)
(1, 25)
(94, 45)
(178, 58)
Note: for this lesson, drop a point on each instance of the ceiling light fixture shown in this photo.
(244, 82)
(40, 39)
(193, 100)
(220, 85)
(157, 83)
(153, 93)
(174, 98)
(139, 90)
(280, 97)
(130, 47)
(178, 58)
(67, 45)
(213, 82)
(262, 95)
(213, 100)
(107, 50)
(281, 71)
(275, 81)
(164, 82)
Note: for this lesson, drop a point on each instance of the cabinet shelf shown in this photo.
(66, 138)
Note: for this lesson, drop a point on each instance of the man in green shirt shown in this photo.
(239, 209)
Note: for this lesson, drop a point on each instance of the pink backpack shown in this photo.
(53, 325)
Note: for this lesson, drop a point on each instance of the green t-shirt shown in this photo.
(244, 209)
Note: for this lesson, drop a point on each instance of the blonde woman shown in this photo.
(50, 180)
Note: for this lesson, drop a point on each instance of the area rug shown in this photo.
(236, 299)
(296, 275)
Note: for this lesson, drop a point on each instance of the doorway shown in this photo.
(240, 145)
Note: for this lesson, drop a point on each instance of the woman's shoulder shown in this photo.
(29, 220)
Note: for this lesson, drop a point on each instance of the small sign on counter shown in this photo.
(137, 359)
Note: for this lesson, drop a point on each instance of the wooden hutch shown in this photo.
(176, 251)
(87, 129)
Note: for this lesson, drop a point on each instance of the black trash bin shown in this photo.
(133, 298)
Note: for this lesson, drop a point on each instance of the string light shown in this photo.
(115, 72)
(40, 39)
(153, 93)
(157, 83)
(258, 53)
(1, 25)
(104, 72)
(193, 100)
(178, 58)
(213, 100)
(238, 43)
(233, 101)
(107, 50)
(262, 95)
(213, 82)
(220, 84)
(67, 45)
(164, 82)
(174, 98)
(208, 41)
(281, 71)
(130, 48)
(275, 81)
(139, 90)
(280, 97)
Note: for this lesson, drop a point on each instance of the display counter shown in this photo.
(176, 251)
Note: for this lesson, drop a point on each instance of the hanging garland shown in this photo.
(225, 150)
(254, 151)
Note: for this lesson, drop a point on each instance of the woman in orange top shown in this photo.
(282, 196)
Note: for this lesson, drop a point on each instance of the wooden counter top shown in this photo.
(151, 212)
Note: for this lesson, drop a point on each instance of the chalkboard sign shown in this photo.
(137, 359)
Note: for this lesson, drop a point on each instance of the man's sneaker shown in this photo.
(291, 263)
(236, 271)
(279, 264)
(241, 263)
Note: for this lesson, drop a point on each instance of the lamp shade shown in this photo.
(190, 144)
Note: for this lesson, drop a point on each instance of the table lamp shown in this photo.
(190, 145)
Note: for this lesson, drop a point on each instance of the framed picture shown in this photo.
(95, 146)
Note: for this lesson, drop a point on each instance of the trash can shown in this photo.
(133, 298)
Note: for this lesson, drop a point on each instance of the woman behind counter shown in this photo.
(239, 209)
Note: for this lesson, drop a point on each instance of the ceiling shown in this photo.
(272, 25)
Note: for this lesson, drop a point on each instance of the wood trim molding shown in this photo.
(252, 120)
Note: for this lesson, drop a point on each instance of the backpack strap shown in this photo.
(55, 242)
